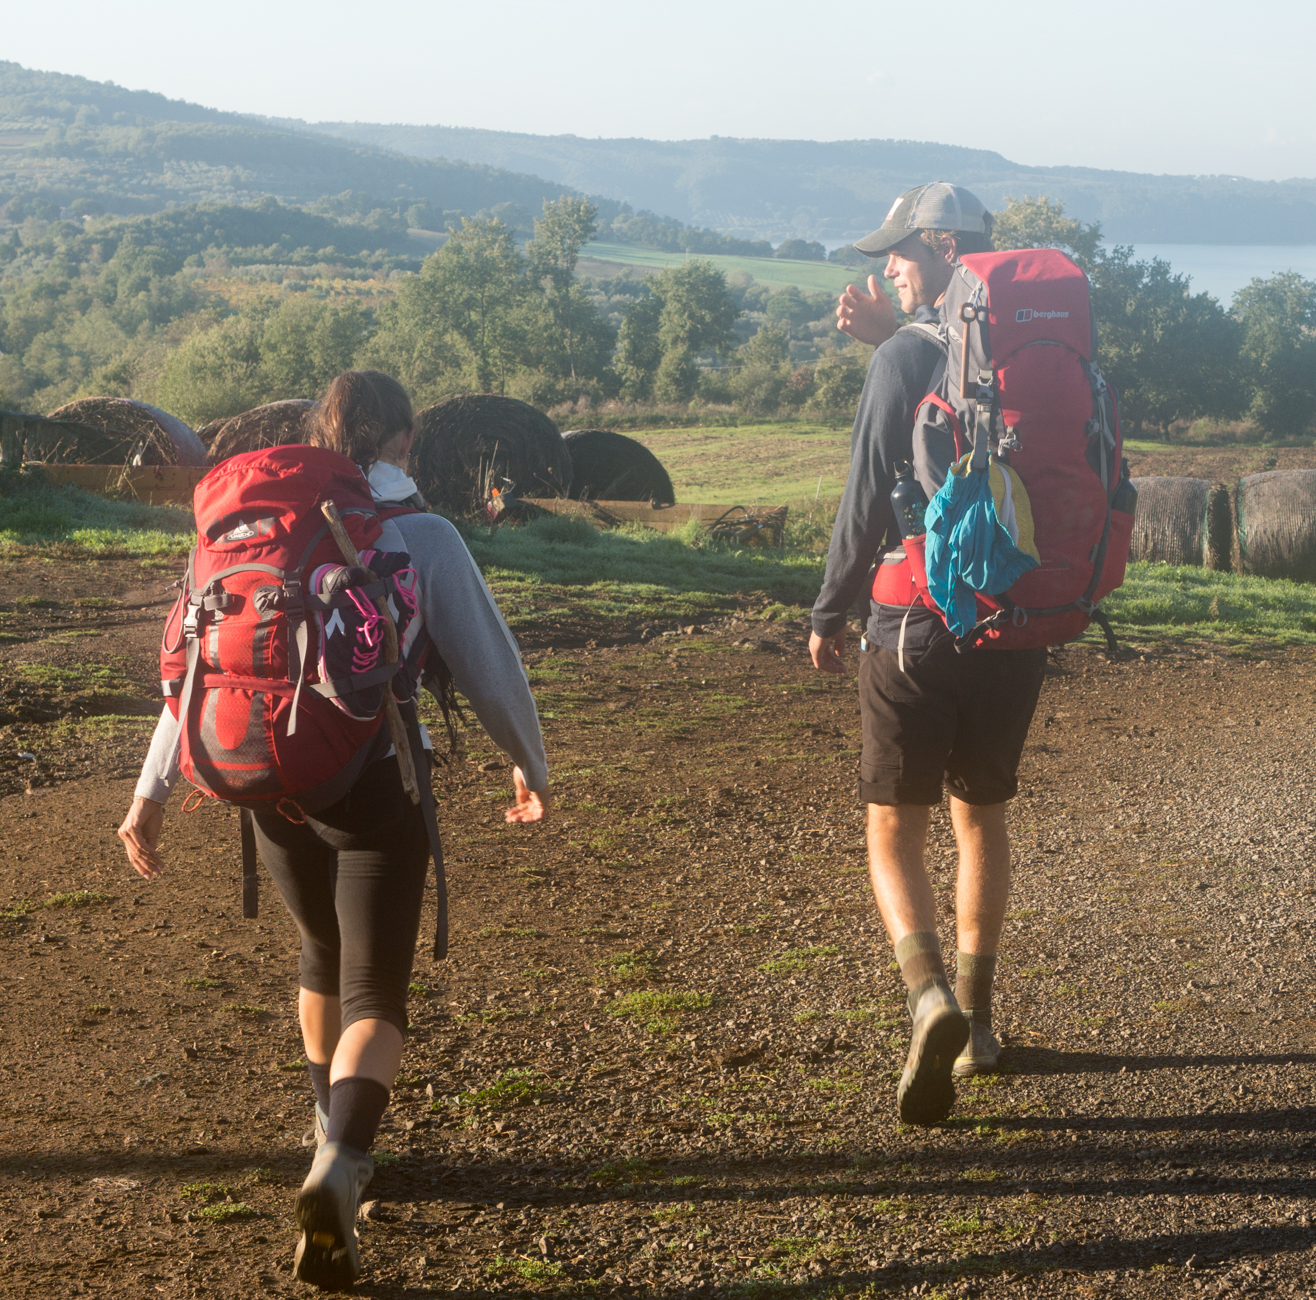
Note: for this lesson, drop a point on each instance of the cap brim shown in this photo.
(883, 240)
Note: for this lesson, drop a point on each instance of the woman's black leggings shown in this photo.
(353, 877)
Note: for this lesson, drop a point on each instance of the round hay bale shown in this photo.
(119, 431)
(1182, 521)
(272, 425)
(606, 466)
(470, 444)
(1276, 515)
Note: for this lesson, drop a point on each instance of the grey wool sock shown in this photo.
(919, 957)
(974, 973)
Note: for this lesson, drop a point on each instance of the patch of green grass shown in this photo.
(628, 1170)
(34, 514)
(386, 1159)
(552, 566)
(629, 966)
(513, 1089)
(980, 1175)
(798, 959)
(207, 1191)
(531, 1270)
(203, 982)
(658, 1012)
(509, 932)
(245, 1010)
(418, 990)
(76, 898)
(99, 1009)
(226, 1212)
(293, 1067)
(1229, 608)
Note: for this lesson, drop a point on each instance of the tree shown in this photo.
(461, 317)
(567, 225)
(1277, 318)
(1039, 223)
(215, 373)
(639, 350)
(1169, 353)
(305, 343)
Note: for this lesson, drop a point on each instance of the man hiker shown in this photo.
(931, 713)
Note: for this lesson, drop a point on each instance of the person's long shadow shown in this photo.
(1047, 1060)
(1181, 1251)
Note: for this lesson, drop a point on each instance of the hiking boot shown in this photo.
(927, 1087)
(315, 1135)
(326, 1213)
(982, 1053)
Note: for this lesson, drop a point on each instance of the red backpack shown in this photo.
(1029, 383)
(272, 655)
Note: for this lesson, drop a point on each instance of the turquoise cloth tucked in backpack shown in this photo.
(980, 539)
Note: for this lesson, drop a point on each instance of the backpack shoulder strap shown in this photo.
(929, 332)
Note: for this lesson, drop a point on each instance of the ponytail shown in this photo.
(360, 411)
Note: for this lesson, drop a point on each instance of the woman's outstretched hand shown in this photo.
(140, 834)
(530, 806)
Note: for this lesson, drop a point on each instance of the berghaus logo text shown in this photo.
(1027, 313)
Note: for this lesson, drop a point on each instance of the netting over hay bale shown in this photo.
(272, 425)
(118, 431)
(1276, 515)
(606, 466)
(1182, 521)
(467, 445)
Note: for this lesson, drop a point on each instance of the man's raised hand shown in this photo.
(868, 317)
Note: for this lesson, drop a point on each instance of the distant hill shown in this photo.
(64, 139)
(833, 191)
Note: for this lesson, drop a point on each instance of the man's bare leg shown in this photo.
(982, 892)
(897, 837)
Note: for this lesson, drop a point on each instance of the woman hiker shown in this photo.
(352, 875)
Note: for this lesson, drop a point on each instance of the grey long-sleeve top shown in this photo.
(467, 630)
(899, 377)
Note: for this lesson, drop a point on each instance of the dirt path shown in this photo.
(661, 1061)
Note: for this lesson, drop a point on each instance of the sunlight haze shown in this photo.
(1167, 88)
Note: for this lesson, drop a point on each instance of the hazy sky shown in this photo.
(1144, 85)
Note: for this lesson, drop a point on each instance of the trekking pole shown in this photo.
(397, 728)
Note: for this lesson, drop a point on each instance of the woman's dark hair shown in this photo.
(360, 411)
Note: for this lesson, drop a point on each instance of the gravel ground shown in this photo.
(662, 1059)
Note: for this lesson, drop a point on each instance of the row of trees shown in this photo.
(115, 307)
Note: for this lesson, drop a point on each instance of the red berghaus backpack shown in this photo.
(273, 654)
(1029, 383)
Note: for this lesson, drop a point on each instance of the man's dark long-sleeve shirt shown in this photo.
(899, 377)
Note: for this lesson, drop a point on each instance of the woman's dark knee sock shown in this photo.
(319, 1072)
(356, 1106)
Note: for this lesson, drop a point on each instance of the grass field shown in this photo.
(777, 272)
(760, 464)
(562, 570)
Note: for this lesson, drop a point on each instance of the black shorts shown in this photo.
(353, 877)
(961, 718)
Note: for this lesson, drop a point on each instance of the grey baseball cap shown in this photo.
(939, 206)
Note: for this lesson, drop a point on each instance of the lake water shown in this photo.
(1223, 269)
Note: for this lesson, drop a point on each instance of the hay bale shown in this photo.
(606, 466)
(272, 425)
(1276, 515)
(469, 444)
(1182, 521)
(115, 431)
